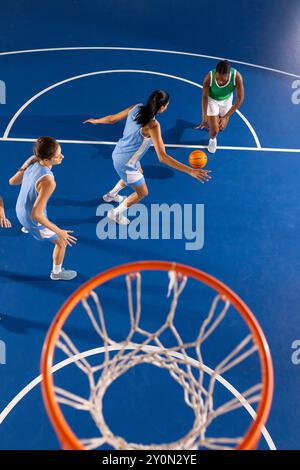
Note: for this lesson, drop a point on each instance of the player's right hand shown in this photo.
(65, 238)
(203, 125)
(91, 121)
(201, 175)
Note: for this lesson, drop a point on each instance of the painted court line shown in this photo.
(31, 385)
(62, 364)
(103, 72)
(139, 49)
(184, 146)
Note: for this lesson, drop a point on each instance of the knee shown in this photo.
(223, 124)
(215, 129)
(143, 193)
(60, 244)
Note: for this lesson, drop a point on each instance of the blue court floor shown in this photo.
(63, 62)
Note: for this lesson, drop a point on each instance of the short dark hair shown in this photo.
(45, 148)
(223, 67)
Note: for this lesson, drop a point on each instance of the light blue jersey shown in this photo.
(130, 149)
(27, 197)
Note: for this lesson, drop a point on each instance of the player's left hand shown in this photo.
(223, 121)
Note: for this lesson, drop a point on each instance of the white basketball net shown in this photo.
(152, 351)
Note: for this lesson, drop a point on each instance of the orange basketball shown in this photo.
(197, 159)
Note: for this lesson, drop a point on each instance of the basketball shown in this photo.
(197, 159)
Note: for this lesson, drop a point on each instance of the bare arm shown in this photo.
(205, 90)
(45, 189)
(204, 102)
(112, 118)
(239, 95)
(155, 133)
(17, 178)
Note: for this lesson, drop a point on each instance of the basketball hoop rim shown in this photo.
(67, 438)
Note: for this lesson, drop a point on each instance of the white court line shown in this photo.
(102, 72)
(7, 410)
(139, 49)
(183, 146)
(35, 382)
(249, 127)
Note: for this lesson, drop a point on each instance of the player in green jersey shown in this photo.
(217, 99)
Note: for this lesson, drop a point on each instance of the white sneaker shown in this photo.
(64, 275)
(24, 230)
(212, 145)
(118, 217)
(109, 198)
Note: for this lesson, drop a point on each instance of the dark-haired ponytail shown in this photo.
(156, 100)
(45, 148)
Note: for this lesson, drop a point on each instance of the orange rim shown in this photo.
(65, 434)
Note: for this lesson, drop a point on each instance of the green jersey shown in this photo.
(224, 92)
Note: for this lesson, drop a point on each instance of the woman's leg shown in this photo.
(113, 194)
(213, 123)
(140, 191)
(58, 258)
(58, 254)
(223, 111)
(223, 123)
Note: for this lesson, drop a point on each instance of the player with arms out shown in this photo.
(141, 130)
(217, 100)
(37, 185)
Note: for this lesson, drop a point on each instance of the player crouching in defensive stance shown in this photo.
(37, 185)
(217, 100)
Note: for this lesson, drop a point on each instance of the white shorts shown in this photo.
(43, 234)
(130, 176)
(219, 108)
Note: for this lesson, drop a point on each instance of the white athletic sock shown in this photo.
(121, 208)
(56, 268)
(114, 191)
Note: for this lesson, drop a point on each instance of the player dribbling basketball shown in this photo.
(141, 129)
